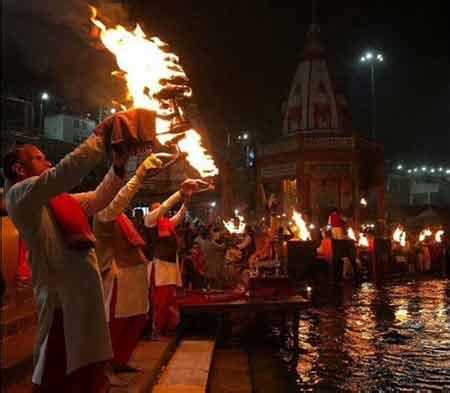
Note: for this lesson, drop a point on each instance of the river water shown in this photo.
(363, 338)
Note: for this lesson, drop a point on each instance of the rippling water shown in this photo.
(363, 338)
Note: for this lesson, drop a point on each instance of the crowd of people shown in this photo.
(103, 279)
(100, 282)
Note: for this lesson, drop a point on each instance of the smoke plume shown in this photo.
(47, 41)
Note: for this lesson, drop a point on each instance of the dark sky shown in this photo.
(241, 58)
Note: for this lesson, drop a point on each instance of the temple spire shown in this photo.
(314, 27)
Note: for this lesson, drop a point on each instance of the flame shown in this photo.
(424, 234)
(363, 202)
(149, 70)
(303, 232)
(231, 226)
(351, 234)
(399, 236)
(363, 241)
(438, 236)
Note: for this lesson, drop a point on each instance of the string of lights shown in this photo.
(423, 170)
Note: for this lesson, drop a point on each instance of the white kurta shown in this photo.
(65, 278)
(166, 273)
(132, 285)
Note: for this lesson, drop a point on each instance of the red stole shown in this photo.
(73, 222)
(165, 227)
(129, 231)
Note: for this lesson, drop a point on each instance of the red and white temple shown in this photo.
(320, 161)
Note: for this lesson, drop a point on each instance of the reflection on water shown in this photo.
(396, 337)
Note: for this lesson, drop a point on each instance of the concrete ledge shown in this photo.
(188, 369)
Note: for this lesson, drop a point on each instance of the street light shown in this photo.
(372, 58)
(44, 97)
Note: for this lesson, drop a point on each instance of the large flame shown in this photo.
(235, 225)
(424, 234)
(148, 70)
(351, 234)
(399, 236)
(303, 232)
(438, 236)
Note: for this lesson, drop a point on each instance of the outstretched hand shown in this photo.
(193, 186)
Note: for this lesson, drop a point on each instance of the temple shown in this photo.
(320, 161)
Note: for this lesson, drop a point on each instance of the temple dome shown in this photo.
(315, 104)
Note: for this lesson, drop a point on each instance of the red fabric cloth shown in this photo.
(23, 272)
(162, 298)
(336, 221)
(129, 231)
(166, 227)
(125, 332)
(73, 222)
(134, 126)
(88, 379)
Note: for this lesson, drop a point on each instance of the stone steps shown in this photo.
(188, 369)
(149, 357)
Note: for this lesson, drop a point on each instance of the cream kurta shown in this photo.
(118, 260)
(166, 273)
(63, 277)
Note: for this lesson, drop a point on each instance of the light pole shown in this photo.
(372, 58)
(44, 97)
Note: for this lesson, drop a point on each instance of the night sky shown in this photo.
(241, 59)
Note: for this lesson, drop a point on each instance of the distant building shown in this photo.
(320, 162)
(68, 128)
(419, 188)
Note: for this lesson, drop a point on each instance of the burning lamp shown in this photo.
(438, 236)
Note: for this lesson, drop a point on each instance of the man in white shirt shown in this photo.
(73, 343)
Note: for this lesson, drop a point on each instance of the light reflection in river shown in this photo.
(363, 338)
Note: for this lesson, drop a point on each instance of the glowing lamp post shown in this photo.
(44, 97)
(371, 58)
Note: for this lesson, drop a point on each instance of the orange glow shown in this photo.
(231, 226)
(399, 236)
(438, 236)
(351, 234)
(149, 70)
(424, 234)
(363, 241)
(302, 230)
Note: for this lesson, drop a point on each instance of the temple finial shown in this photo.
(314, 27)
